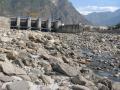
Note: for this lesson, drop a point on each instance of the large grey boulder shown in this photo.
(10, 69)
(66, 69)
(18, 85)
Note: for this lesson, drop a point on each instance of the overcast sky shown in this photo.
(88, 6)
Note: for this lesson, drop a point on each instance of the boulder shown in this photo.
(106, 82)
(102, 87)
(10, 69)
(18, 85)
(79, 87)
(12, 55)
(25, 77)
(6, 79)
(46, 65)
(66, 69)
(32, 37)
(116, 86)
(47, 79)
(48, 37)
(3, 57)
(51, 59)
(21, 43)
(5, 39)
(63, 88)
(37, 72)
(66, 60)
(31, 45)
(79, 80)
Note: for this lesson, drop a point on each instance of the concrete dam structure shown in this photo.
(29, 23)
(34, 24)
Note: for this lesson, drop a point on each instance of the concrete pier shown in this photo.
(39, 24)
(57, 24)
(48, 24)
(29, 23)
(18, 22)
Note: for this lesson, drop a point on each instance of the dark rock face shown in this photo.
(43, 8)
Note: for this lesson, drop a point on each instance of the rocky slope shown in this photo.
(32, 60)
(42, 8)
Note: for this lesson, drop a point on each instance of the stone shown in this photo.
(45, 56)
(31, 45)
(63, 88)
(21, 43)
(40, 87)
(46, 65)
(18, 85)
(12, 55)
(106, 82)
(79, 87)
(37, 72)
(33, 77)
(25, 77)
(4, 85)
(10, 69)
(116, 86)
(48, 37)
(3, 57)
(94, 87)
(79, 80)
(27, 62)
(47, 79)
(66, 69)
(6, 79)
(19, 71)
(20, 63)
(102, 87)
(5, 39)
(65, 60)
(16, 78)
(32, 37)
(51, 59)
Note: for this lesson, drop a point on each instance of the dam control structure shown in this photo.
(30, 23)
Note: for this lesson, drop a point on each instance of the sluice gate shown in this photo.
(33, 24)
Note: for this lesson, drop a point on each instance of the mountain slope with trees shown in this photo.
(42, 8)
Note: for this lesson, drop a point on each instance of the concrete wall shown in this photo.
(70, 29)
(4, 23)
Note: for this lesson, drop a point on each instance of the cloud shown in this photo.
(89, 9)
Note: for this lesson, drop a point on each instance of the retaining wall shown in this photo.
(70, 29)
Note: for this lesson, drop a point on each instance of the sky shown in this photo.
(89, 6)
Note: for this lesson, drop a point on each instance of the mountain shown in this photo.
(43, 8)
(104, 18)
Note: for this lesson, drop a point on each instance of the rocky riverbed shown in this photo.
(33, 60)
